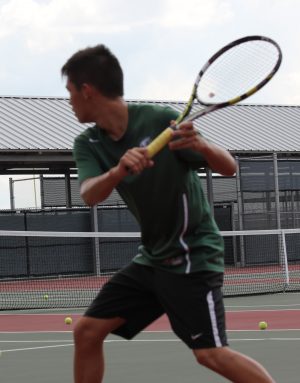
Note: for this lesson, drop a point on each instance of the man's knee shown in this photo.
(92, 330)
(209, 357)
(84, 332)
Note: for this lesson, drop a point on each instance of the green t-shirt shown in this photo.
(178, 232)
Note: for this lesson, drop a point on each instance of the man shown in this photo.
(178, 269)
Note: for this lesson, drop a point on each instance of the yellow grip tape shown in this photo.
(159, 142)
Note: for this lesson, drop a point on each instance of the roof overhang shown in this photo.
(38, 162)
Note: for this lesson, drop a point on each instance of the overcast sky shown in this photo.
(161, 44)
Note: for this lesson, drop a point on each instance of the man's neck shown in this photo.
(114, 118)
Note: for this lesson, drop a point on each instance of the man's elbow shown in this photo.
(86, 194)
(232, 168)
(88, 199)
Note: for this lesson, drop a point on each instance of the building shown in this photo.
(36, 138)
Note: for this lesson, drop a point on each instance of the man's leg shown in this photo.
(234, 366)
(89, 335)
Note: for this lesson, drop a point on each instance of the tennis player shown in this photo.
(178, 269)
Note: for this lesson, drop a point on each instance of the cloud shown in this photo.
(290, 85)
(196, 13)
(47, 24)
(4, 192)
(172, 86)
(145, 35)
(26, 192)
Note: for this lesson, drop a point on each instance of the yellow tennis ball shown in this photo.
(263, 325)
(46, 297)
(68, 320)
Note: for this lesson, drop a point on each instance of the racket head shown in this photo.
(189, 104)
(238, 70)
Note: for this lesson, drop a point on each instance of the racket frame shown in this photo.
(166, 136)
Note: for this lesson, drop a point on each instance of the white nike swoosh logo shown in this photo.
(92, 140)
(196, 336)
(145, 142)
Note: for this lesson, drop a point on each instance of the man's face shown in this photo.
(78, 102)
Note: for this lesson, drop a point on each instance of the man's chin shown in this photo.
(83, 120)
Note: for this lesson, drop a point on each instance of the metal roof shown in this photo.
(36, 123)
(41, 123)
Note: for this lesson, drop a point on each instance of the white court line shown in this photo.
(40, 314)
(65, 311)
(34, 341)
(273, 305)
(259, 310)
(235, 307)
(37, 348)
(147, 341)
(268, 330)
(36, 332)
(147, 332)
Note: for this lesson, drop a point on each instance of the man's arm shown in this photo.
(218, 159)
(96, 189)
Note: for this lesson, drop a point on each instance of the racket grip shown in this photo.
(159, 142)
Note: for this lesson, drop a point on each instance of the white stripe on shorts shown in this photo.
(213, 319)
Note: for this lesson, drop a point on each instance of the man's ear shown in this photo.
(87, 91)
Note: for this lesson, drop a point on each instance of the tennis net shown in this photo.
(41, 269)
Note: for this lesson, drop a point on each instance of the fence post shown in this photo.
(11, 194)
(276, 187)
(240, 212)
(285, 261)
(97, 261)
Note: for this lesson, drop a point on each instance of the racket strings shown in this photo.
(238, 67)
(237, 71)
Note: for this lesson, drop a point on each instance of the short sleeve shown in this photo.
(87, 164)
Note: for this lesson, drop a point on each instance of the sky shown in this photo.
(161, 45)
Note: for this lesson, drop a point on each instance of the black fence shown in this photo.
(37, 256)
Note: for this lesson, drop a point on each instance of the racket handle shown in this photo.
(160, 141)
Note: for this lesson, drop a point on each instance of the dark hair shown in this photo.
(96, 66)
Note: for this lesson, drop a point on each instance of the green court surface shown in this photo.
(46, 356)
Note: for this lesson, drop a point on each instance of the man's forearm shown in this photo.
(219, 159)
(97, 189)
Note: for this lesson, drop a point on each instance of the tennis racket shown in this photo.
(234, 73)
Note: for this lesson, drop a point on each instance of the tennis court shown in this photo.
(37, 345)
(46, 276)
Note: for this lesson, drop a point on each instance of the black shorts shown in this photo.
(141, 294)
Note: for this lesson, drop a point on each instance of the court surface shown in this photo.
(37, 347)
